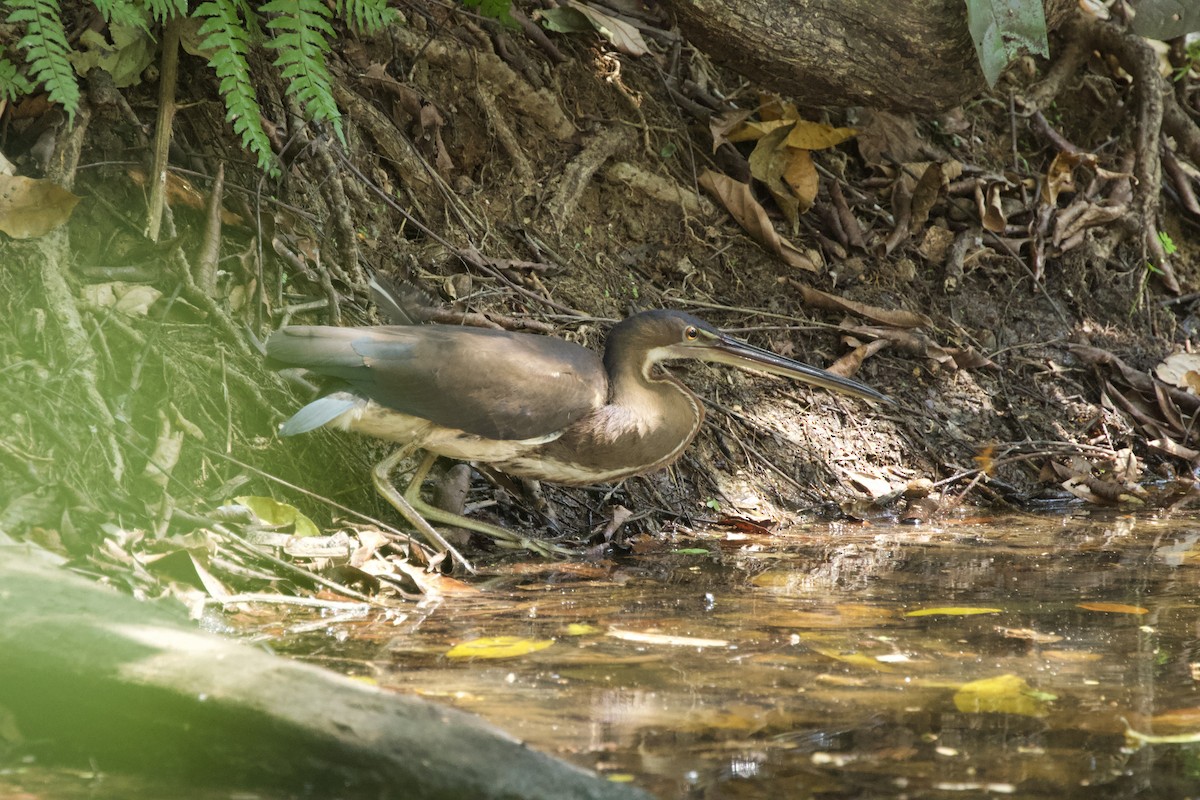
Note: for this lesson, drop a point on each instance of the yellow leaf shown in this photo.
(498, 647)
(754, 129)
(953, 611)
(1004, 694)
(1114, 608)
(801, 175)
(818, 136)
(581, 629)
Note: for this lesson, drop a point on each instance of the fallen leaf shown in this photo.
(1004, 694)
(815, 298)
(665, 639)
(817, 136)
(494, 647)
(31, 207)
(274, 513)
(1179, 369)
(1114, 608)
(953, 611)
(750, 214)
(623, 36)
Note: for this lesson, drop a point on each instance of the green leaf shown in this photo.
(273, 512)
(1005, 29)
(498, 647)
(45, 46)
(1166, 19)
(125, 58)
(496, 9)
(227, 37)
(564, 20)
(299, 34)
(952, 611)
(12, 83)
(1004, 694)
(123, 13)
(366, 16)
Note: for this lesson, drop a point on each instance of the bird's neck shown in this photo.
(655, 401)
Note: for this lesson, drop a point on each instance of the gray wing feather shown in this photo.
(494, 384)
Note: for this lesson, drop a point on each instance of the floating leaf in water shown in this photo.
(953, 611)
(1114, 608)
(498, 647)
(581, 629)
(691, 551)
(1004, 694)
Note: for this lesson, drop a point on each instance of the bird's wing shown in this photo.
(494, 384)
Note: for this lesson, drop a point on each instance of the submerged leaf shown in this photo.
(953, 611)
(1114, 608)
(1004, 694)
(498, 647)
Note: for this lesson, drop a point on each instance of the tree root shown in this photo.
(1156, 111)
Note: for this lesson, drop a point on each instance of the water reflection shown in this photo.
(794, 665)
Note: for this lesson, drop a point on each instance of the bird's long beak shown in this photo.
(736, 353)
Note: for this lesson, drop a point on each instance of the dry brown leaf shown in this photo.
(31, 207)
(181, 192)
(883, 136)
(1068, 228)
(1179, 369)
(850, 363)
(1060, 177)
(750, 214)
(925, 194)
(815, 298)
(991, 210)
(921, 345)
(724, 124)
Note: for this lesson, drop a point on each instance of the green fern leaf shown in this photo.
(12, 83)
(163, 10)
(228, 38)
(45, 46)
(299, 35)
(124, 13)
(366, 16)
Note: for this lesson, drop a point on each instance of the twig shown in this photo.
(162, 132)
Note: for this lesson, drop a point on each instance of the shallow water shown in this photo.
(751, 666)
(827, 661)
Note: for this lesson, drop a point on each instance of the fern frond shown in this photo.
(45, 46)
(12, 83)
(228, 38)
(299, 35)
(123, 12)
(163, 10)
(366, 16)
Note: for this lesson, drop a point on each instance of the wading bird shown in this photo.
(532, 406)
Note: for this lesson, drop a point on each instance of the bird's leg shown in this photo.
(381, 475)
(503, 538)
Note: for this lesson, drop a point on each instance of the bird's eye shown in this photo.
(691, 333)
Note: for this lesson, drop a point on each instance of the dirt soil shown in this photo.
(563, 195)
